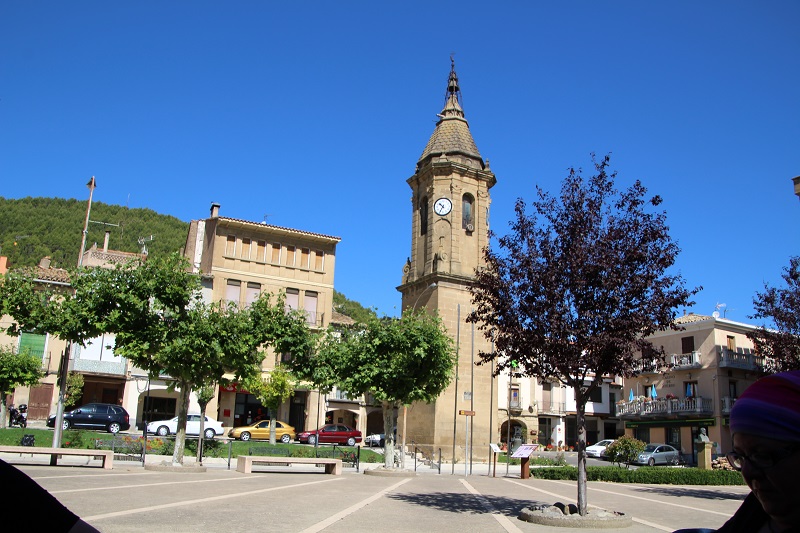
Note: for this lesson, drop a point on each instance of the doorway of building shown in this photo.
(297, 411)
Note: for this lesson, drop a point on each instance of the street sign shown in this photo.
(466, 413)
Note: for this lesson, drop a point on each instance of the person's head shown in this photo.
(765, 424)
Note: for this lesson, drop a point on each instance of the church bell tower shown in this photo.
(449, 230)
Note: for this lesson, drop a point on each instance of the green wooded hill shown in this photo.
(32, 228)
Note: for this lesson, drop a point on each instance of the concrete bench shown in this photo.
(107, 456)
(244, 463)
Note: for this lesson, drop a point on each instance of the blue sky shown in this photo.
(315, 114)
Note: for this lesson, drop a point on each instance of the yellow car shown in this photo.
(260, 430)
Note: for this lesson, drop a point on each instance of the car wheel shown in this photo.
(651, 462)
(676, 461)
(351, 441)
(285, 438)
(162, 431)
(245, 436)
(312, 440)
(210, 433)
(65, 424)
(113, 427)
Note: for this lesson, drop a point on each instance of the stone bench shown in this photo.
(107, 456)
(244, 463)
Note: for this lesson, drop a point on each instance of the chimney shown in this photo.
(214, 210)
(45, 262)
(105, 241)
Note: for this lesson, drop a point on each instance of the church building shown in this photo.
(449, 229)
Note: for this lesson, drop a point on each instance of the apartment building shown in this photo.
(238, 260)
(105, 374)
(710, 363)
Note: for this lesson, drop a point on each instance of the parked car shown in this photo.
(599, 449)
(376, 439)
(110, 417)
(260, 430)
(655, 454)
(163, 428)
(331, 434)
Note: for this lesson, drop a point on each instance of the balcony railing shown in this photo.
(674, 362)
(666, 407)
(727, 404)
(117, 366)
(552, 408)
(743, 358)
(685, 360)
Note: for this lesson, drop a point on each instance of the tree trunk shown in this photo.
(180, 436)
(388, 431)
(272, 437)
(201, 436)
(580, 404)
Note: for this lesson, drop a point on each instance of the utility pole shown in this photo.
(64, 366)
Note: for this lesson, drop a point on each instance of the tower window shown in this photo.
(423, 216)
(467, 219)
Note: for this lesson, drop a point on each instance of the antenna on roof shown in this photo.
(143, 240)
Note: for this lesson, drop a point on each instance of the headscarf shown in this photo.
(770, 408)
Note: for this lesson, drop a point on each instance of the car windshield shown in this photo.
(650, 448)
(603, 443)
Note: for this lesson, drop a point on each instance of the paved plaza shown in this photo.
(302, 499)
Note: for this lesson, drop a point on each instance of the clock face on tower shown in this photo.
(442, 206)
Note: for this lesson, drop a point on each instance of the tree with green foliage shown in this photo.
(397, 360)
(780, 345)
(576, 288)
(155, 308)
(74, 390)
(16, 369)
(205, 393)
(32, 228)
(351, 308)
(65, 312)
(271, 391)
(625, 449)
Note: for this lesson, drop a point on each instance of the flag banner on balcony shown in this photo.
(630, 396)
(653, 393)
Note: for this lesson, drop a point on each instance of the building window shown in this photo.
(310, 306)
(514, 394)
(467, 221)
(732, 343)
(292, 299)
(245, 248)
(732, 389)
(596, 396)
(691, 389)
(286, 357)
(233, 291)
(687, 344)
(32, 344)
(230, 246)
(276, 253)
(251, 293)
(423, 216)
(319, 260)
(290, 253)
(305, 256)
(261, 251)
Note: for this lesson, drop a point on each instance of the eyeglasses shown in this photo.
(760, 460)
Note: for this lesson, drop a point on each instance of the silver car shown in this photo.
(655, 454)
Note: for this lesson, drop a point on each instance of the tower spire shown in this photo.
(452, 136)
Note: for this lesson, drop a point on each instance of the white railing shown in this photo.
(663, 406)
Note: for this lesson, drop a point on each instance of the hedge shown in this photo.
(651, 475)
